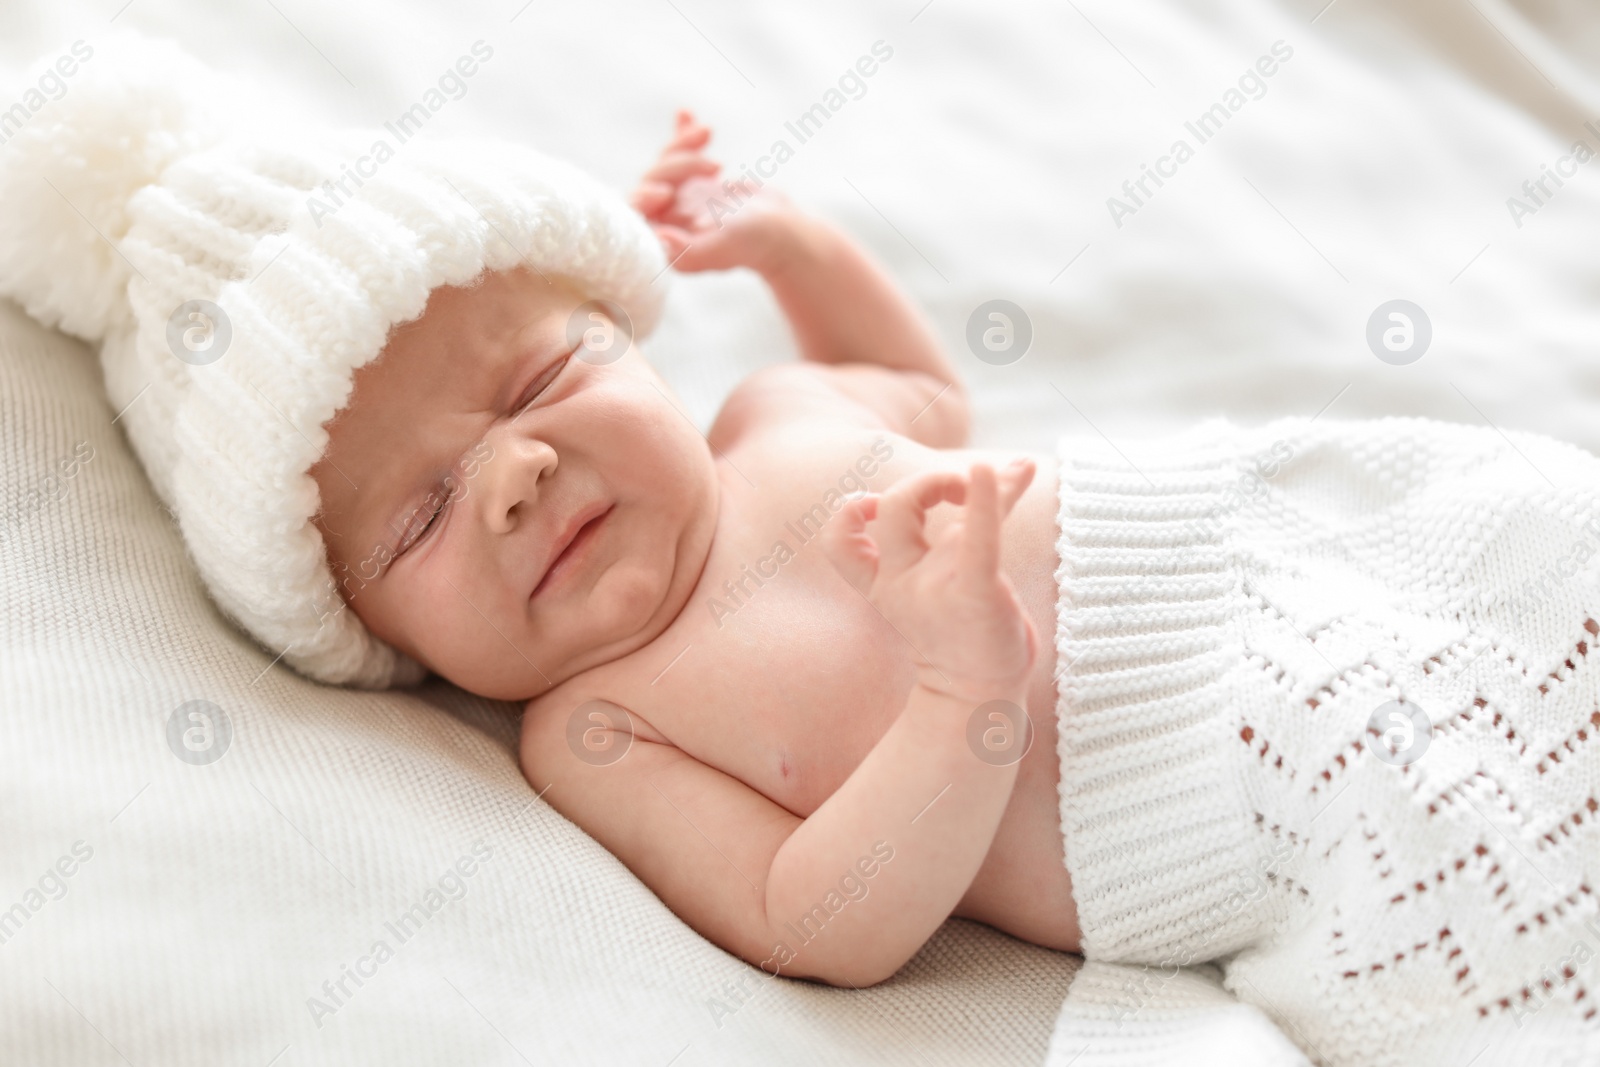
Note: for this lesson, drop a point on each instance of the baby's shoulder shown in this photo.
(800, 398)
(596, 710)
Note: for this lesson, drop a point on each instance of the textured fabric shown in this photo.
(1244, 612)
(1120, 1016)
(217, 899)
(237, 270)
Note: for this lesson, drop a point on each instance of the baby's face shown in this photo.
(472, 451)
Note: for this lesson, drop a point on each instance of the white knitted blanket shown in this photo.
(1330, 720)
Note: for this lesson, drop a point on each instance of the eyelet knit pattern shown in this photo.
(1236, 605)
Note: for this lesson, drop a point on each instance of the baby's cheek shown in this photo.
(477, 641)
(632, 590)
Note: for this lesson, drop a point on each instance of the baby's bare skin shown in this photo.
(790, 691)
(752, 691)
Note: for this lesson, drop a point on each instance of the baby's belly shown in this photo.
(1023, 887)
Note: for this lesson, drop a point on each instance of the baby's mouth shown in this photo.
(580, 534)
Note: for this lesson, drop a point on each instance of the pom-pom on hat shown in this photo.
(158, 211)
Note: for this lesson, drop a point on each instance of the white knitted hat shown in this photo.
(154, 183)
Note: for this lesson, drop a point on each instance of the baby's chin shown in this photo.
(630, 606)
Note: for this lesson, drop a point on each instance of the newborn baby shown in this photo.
(1315, 700)
(769, 643)
(791, 672)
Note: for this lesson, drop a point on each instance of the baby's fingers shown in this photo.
(1015, 478)
(675, 165)
(849, 547)
(980, 540)
(652, 196)
(903, 511)
(687, 133)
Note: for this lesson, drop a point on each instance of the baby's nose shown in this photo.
(513, 479)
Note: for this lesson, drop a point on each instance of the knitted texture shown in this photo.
(1121, 1016)
(1247, 616)
(156, 199)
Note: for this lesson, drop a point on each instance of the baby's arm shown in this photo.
(923, 770)
(843, 307)
(922, 789)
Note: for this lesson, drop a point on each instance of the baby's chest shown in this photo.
(778, 672)
(786, 681)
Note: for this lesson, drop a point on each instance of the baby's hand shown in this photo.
(704, 223)
(969, 634)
